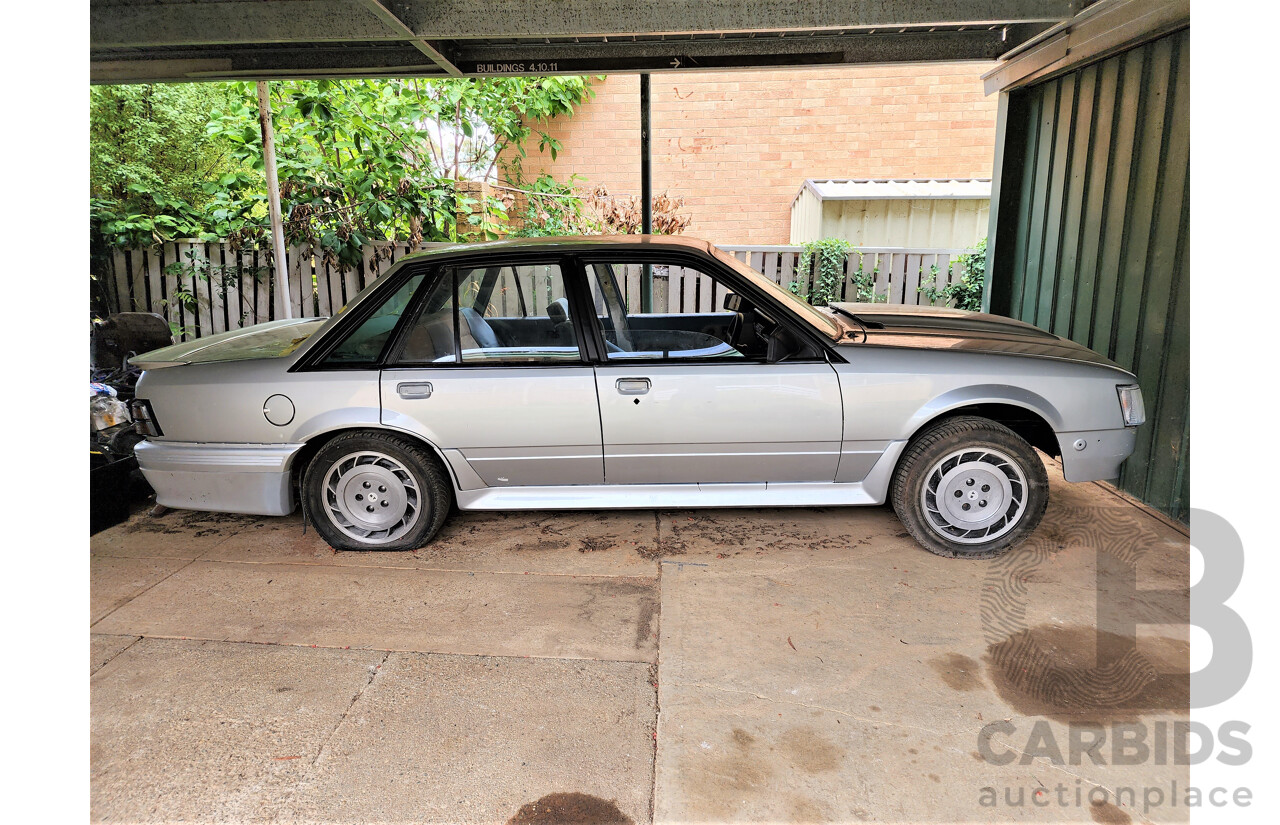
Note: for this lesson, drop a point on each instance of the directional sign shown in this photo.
(516, 65)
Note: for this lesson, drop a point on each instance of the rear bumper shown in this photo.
(1100, 459)
(224, 478)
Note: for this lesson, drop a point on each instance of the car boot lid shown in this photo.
(272, 339)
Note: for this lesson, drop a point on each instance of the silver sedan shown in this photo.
(625, 372)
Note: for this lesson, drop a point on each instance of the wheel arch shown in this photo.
(1028, 414)
(314, 443)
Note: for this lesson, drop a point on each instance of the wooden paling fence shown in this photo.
(898, 272)
(203, 288)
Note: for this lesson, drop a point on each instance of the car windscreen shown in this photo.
(816, 318)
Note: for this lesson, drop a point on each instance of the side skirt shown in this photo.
(870, 491)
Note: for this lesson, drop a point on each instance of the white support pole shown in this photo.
(273, 197)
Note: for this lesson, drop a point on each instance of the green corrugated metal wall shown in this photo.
(1092, 235)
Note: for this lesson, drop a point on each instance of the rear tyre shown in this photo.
(970, 488)
(375, 491)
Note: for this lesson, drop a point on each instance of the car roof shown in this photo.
(565, 243)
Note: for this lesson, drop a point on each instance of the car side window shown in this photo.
(691, 314)
(365, 343)
(501, 314)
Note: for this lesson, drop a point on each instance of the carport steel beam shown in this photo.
(130, 23)
(146, 41)
(479, 60)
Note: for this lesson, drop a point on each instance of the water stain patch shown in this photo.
(959, 672)
(1108, 814)
(1082, 674)
(806, 810)
(809, 751)
(570, 809)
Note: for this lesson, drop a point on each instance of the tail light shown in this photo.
(144, 418)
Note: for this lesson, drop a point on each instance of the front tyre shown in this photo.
(375, 491)
(969, 487)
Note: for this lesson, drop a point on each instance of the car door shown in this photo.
(489, 369)
(687, 390)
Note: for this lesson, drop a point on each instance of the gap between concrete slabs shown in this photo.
(610, 618)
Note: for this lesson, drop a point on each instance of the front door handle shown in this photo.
(414, 389)
(633, 386)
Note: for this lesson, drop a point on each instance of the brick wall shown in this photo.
(737, 145)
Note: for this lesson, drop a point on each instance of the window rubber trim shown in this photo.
(566, 265)
(825, 348)
(585, 324)
(313, 361)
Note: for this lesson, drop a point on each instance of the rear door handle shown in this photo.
(414, 389)
(633, 386)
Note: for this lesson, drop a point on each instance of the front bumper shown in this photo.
(224, 478)
(1100, 457)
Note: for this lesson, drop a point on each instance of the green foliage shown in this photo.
(554, 209)
(829, 273)
(150, 157)
(358, 160)
(152, 140)
(967, 292)
(142, 217)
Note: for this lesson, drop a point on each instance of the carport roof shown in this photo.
(870, 189)
(167, 40)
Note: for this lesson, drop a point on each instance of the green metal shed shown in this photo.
(1090, 216)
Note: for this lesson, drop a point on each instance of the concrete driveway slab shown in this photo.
(820, 683)
(592, 544)
(114, 581)
(103, 648)
(779, 531)
(393, 609)
(815, 665)
(466, 739)
(206, 731)
(178, 534)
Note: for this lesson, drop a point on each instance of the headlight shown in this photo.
(144, 418)
(1131, 406)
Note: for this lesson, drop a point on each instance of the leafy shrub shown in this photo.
(554, 209)
(967, 292)
(359, 160)
(830, 255)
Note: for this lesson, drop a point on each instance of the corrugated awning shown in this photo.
(141, 41)
(868, 189)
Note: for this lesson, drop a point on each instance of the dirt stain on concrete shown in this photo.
(809, 751)
(801, 809)
(726, 775)
(570, 809)
(189, 523)
(646, 620)
(959, 672)
(591, 544)
(1108, 814)
(1081, 674)
(742, 768)
(662, 547)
